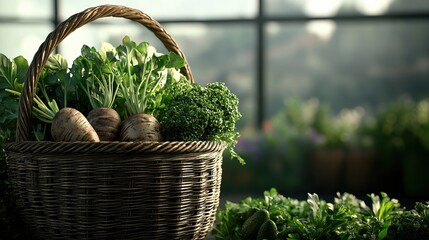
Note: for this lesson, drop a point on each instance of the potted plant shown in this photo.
(361, 158)
(401, 137)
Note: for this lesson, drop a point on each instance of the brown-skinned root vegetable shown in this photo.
(70, 125)
(140, 127)
(106, 122)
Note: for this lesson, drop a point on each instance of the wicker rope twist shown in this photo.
(111, 190)
(115, 147)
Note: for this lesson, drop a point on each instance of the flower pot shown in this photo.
(359, 171)
(416, 176)
(327, 169)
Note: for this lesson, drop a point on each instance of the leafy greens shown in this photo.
(346, 218)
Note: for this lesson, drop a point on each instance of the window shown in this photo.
(23, 26)
(344, 52)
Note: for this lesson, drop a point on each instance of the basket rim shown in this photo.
(104, 147)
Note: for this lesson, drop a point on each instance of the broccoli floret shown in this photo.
(191, 112)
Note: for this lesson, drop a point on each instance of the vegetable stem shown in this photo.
(41, 111)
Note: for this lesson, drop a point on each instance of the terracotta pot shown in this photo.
(359, 171)
(416, 177)
(327, 169)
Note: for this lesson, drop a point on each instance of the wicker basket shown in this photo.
(111, 190)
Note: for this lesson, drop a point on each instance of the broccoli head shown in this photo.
(191, 112)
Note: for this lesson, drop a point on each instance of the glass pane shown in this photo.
(347, 64)
(214, 52)
(323, 8)
(223, 53)
(20, 39)
(94, 35)
(166, 9)
(26, 8)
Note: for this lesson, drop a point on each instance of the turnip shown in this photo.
(143, 72)
(67, 124)
(96, 75)
(71, 125)
(106, 122)
(140, 127)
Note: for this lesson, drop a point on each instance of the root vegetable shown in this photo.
(106, 122)
(71, 125)
(140, 127)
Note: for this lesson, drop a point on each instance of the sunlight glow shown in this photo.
(322, 8)
(324, 29)
(373, 7)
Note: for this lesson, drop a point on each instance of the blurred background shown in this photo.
(334, 93)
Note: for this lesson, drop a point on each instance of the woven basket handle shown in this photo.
(61, 32)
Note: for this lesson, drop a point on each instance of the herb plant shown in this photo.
(346, 218)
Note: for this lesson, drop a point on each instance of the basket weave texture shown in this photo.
(111, 190)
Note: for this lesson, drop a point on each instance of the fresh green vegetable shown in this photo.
(11, 77)
(42, 111)
(196, 113)
(55, 67)
(139, 82)
(96, 74)
(251, 226)
(346, 218)
(54, 81)
(67, 123)
(268, 230)
(142, 75)
(251, 211)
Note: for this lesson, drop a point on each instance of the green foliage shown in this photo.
(412, 224)
(95, 74)
(315, 120)
(54, 81)
(403, 127)
(346, 218)
(142, 74)
(196, 113)
(11, 77)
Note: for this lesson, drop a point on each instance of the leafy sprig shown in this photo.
(142, 74)
(12, 75)
(53, 77)
(96, 74)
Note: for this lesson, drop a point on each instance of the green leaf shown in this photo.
(9, 73)
(22, 68)
(55, 63)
